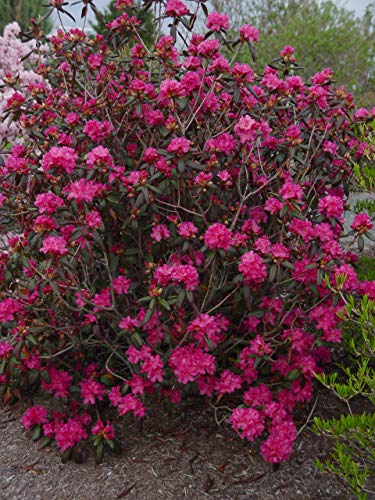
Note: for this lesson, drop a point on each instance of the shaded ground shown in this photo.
(185, 455)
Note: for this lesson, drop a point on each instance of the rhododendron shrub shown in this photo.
(178, 224)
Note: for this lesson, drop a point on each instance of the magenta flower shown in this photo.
(98, 131)
(130, 403)
(247, 129)
(362, 223)
(175, 8)
(54, 245)
(170, 89)
(247, 422)
(83, 190)
(253, 268)
(153, 367)
(257, 396)
(179, 146)
(8, 308)
(69, 434)
(217, 22)
(106, 431)
(322, 77)
(93, 219)
(187, 230)
(178, 273)
(64, 159)
(99, 156)
(48, 203)
(330, 147)
(209, 327)
(248, 33)
(291, 191)
(367, 288)
(134, 355)
(91, 391)
(160, 232)
(121, 285)
(228, 382)
(287, 51)
(35, 415)
(218, 236)
(279, 444)
(331, 206)
(5, 349)
(59, 384)
(123, 4)
(188, 362)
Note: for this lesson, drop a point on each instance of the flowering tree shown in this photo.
(21, 12)
(178, 225)
(14, 74)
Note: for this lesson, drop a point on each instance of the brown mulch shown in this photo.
(183, 455)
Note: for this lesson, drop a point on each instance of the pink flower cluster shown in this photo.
(188, 362)
(62, 158)
(218, 236)
(177, 273)
(253, 268)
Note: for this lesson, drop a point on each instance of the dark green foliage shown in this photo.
(366, 268)
(367, 206)
(323, 33)
(22, 11)
(365, 174)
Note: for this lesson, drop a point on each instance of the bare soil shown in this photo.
(172, 456)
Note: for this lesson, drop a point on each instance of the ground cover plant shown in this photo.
(177, 222)
(365, 173)
(353, 455)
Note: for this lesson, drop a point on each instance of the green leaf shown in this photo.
(319, 277)
(36, 433)
(273, 273)
(67, 454)
(137, 340)
(32, 339)
(110, 443)
(44, 442)
(45, 376)
(361, 243)
(99, 453)
(293, 375)
(181, 165)
(106, 381)
(33, 376)
(164, 303)
(150, 311)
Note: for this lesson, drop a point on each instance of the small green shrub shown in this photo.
(366, 205)
(365, 268)
(365, 173)
(353, 455)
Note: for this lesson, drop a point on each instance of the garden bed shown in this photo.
(184, 455)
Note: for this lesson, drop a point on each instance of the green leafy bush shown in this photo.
(353, 455)
(366, 205)
(365, 173)
(365, 268)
